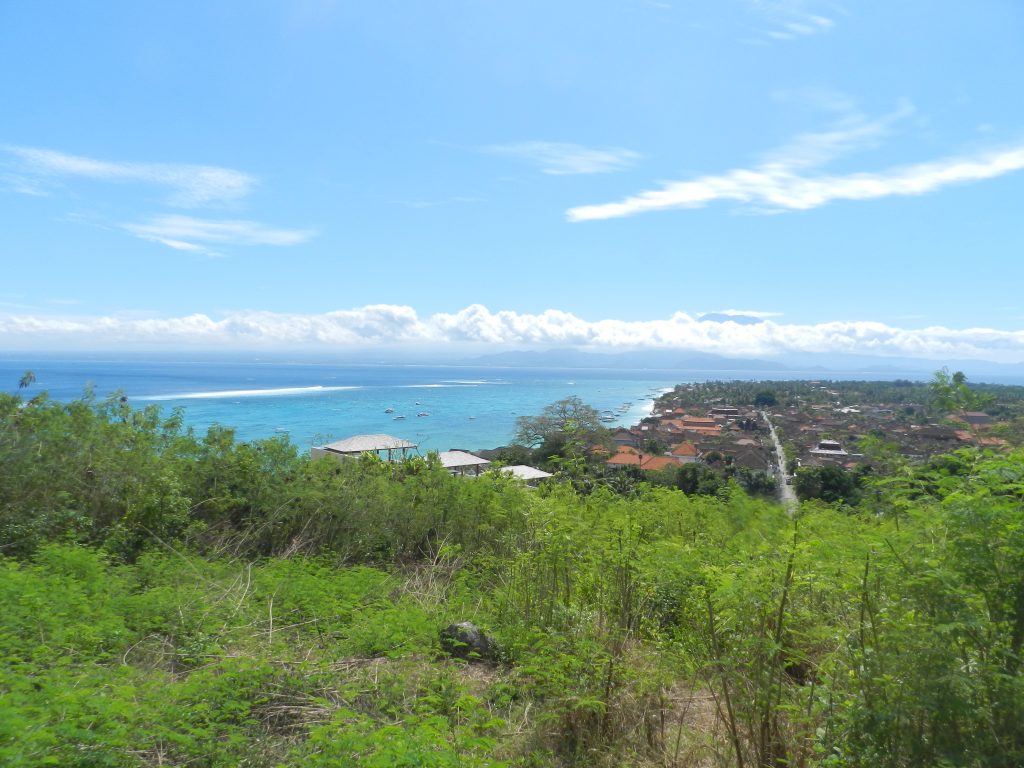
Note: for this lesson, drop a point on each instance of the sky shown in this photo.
(812, 176)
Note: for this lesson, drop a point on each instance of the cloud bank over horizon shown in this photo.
(395, 326)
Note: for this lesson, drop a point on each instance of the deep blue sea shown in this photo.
(315, 402)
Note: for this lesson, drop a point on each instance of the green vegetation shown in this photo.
(945, 393)
(950, 393)
(176, 599)
(828, 483)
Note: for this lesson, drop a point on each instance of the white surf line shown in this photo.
(246, 393)
(650, 400)
(434, 386)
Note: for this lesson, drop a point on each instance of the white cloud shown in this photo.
(793, 19)
(559, 159)
(187, 233)
(850, 133)
(384, 324)
(190, 185)
(787, 179)
(40, 171)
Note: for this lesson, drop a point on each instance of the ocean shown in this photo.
(315, 402)
(312, 403)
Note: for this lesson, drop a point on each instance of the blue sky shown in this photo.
(599, 174)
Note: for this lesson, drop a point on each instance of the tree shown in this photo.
(655, 446)
(950, 393)
(713, 457)
(561, 417)
(765, 399)
(699, 479)
(755, 483)
(829, 483)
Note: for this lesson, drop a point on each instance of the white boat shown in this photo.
(399, 418)
(389, 410)
(422, 413)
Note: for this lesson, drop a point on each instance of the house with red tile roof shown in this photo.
(624, 459)
(645, 462)
(655, 463)
(685, 452)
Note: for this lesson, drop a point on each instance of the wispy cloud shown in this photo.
(390, 324)
(851, 132)
(789, 179)
(793, 19)
(42, 171)
(817, 98)
(186, 233)
(189, 185)
(562, 159)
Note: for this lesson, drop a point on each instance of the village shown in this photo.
(760, 434)
(846, 424)
(720, 434)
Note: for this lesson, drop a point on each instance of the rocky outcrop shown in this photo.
(466, 641)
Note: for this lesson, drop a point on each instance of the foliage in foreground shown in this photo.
(176, 600)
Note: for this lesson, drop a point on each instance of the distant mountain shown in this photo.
(669, 360)
(911, 367)
(798, 364)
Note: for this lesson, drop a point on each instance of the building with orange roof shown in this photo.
(685, 453)
(684, 425)
(702, 432)
(699, 421)
(646, 463)
(655, 463)
(624, 459)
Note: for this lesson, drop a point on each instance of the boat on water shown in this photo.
(399, 418)
(422, 413)
(389, 410)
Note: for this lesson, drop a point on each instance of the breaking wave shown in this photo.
(279, 392)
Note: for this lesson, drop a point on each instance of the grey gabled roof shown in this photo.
(456, 459)
(361, 443)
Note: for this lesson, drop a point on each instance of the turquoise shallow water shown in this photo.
(468, 408)
(315, 402)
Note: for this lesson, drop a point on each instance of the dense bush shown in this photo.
(171, 599)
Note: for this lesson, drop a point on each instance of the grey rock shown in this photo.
(465, 641)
